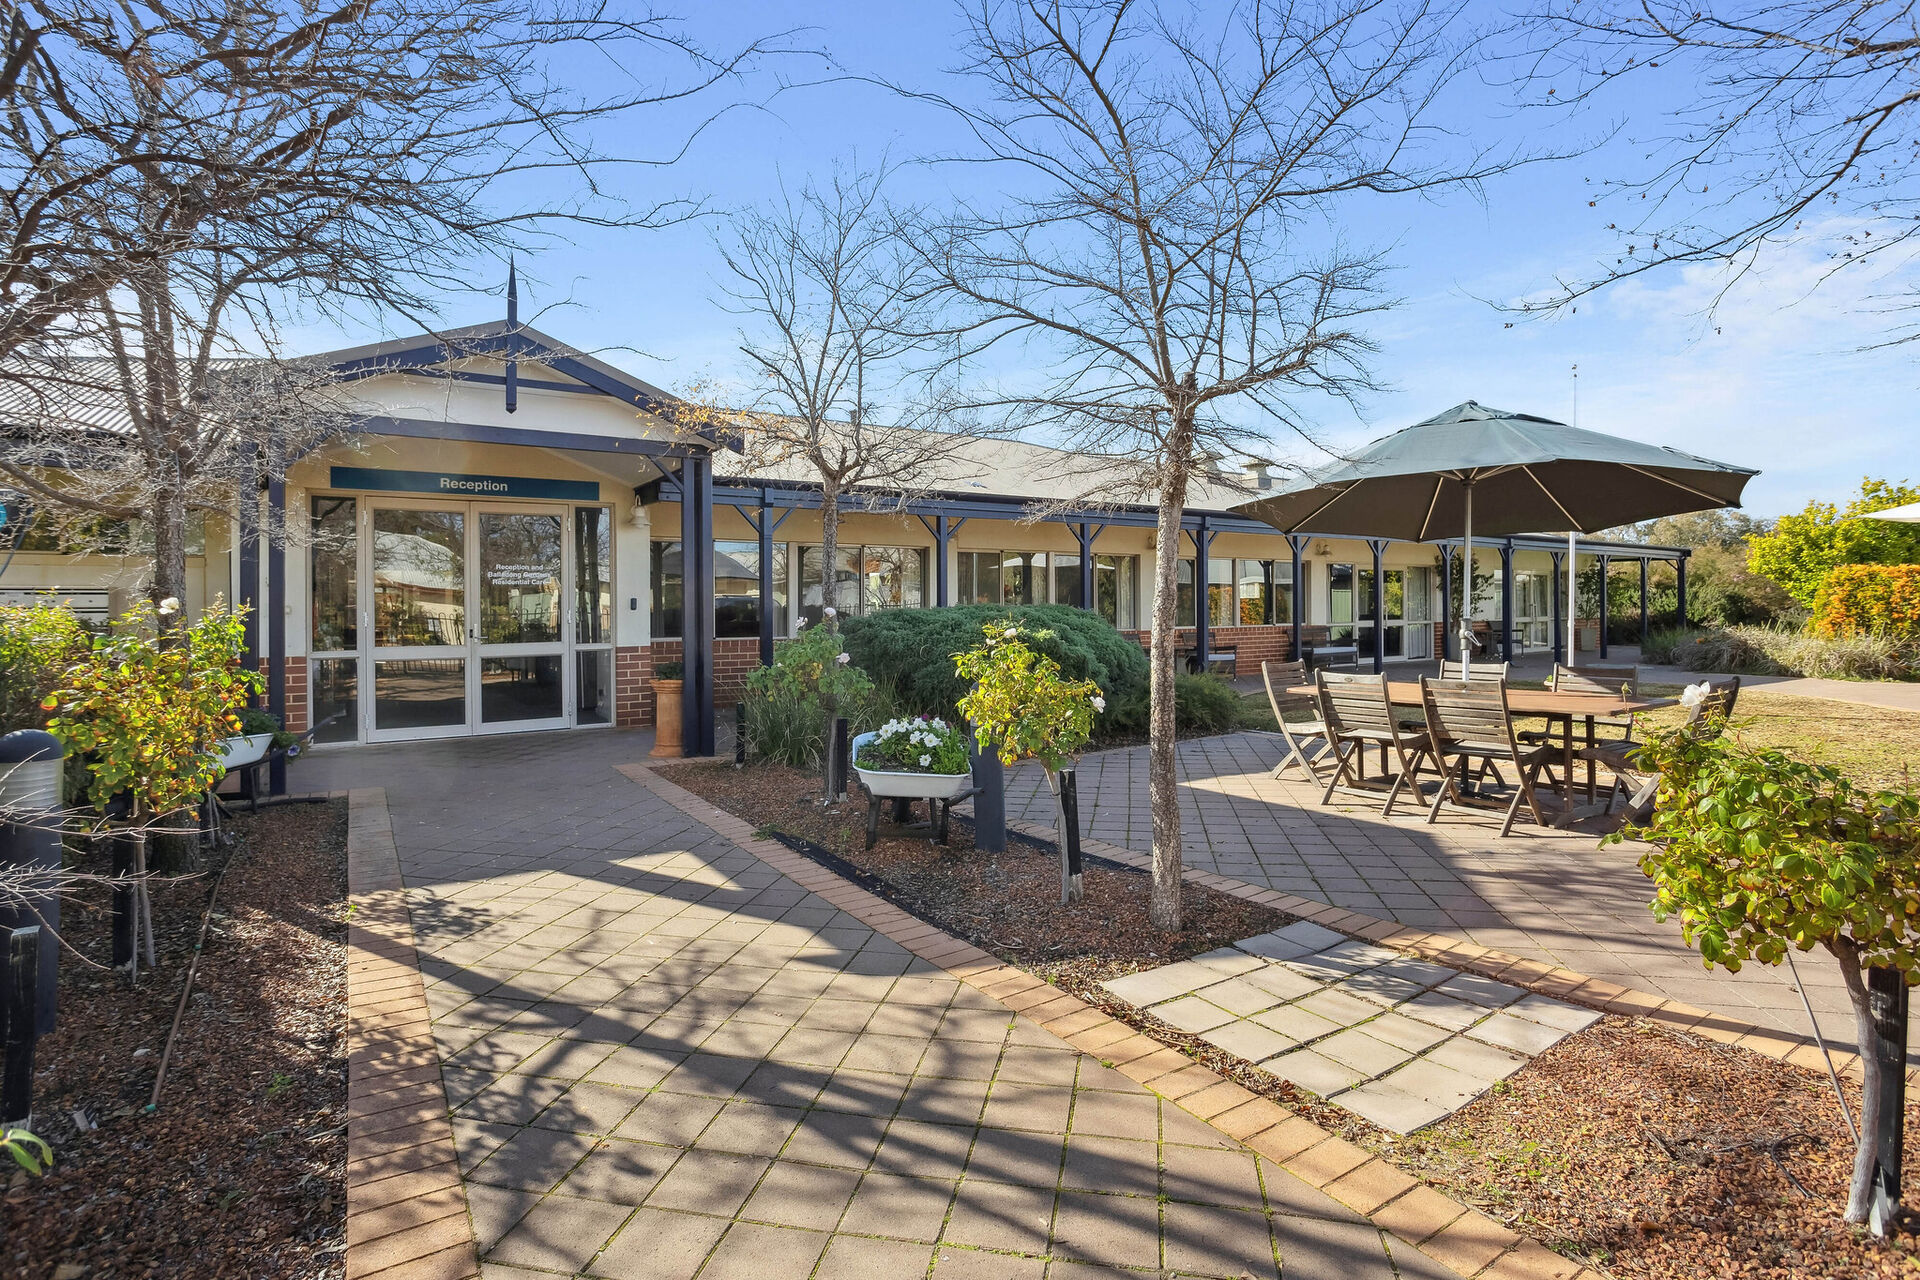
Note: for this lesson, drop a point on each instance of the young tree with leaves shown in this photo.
(1804, 547)
(1169, 260)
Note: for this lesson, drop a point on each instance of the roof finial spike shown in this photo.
(513, 328)
(513, 294)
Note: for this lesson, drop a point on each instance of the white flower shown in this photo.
(844, 659)
(800, 625)
(925, 761)
(170, 605)
(1694, 695)
(1099, 703)
(830, 612)
(1013, 633)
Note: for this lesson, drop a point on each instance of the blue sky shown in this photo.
(1776, 380)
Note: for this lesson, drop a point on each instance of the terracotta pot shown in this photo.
(666, 718)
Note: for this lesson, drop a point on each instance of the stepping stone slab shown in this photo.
(1482, 1061)
(1239, 997)
(1191, 1013)
(1314, 1072)
(1355, 1048)
(1282, 982)
(1518, 1034)
(1442, 1011)
(1392, 1109)
(1250, 1040)
(1475, 989)
(1553, 1013)
(1292, 1021)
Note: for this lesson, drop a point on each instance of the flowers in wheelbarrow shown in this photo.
(919, 744)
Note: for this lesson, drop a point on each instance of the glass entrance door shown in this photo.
(467, 618)
(519, 657)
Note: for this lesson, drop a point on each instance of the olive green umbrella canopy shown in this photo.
(1478, 470)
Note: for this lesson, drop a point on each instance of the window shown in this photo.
(978, 574)
(892, 578)
(593, 575)
(666, 588)
(736, 588)
(1221, 610)
(1115, 582)
(1183, 595)
(333, 563)
(1023, 577)
(1340, 603)
(846, 581)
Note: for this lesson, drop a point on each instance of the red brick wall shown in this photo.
(733, 658)
(632, 694)
(1251, 645)
(297, 703)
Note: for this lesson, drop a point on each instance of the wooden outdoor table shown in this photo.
(1554, 707)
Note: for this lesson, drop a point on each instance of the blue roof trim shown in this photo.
(478, 433)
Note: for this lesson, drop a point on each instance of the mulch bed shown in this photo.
(1653, 1153)
(1636, 1149)
(240, 1172)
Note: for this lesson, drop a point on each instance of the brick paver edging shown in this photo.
(1561, 984)
(1445, 1230)
(406, 1205)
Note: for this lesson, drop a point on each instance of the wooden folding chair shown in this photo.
(1611, 681)
(1358, 712)
(1478, 673)
(1299, 734)
(1472, 723)
(1705, 722)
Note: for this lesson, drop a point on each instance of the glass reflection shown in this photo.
(519, 578)
(419, 577)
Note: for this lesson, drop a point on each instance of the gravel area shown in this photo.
(240, 1170)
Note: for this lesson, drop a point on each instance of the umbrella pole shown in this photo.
(1466, 592)
(1573, 611)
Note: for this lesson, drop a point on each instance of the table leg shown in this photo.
(1592, 768)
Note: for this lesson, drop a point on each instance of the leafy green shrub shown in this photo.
(790, 703)
(910, 651)
(37, 645)
(669, 670)
(1866, 598)
(1201, 704)
(1781, 651)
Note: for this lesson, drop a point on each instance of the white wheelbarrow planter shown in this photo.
(939, 790)
(248, 749)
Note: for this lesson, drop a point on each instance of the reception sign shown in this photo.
(451, 485)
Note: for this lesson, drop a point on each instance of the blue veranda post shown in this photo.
(31, 768)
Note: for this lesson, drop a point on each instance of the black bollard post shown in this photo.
(124, 904)
(990, 805)
(16, 1078)
(837, 761)
(740, 732)
(1887, 999)
(31, 767)
(1072, 883)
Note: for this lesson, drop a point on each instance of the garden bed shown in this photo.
(240, 1172)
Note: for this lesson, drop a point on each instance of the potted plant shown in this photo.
(667, 687)
(920, 758)
(260, 732)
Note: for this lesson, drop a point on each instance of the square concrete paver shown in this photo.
(1401, 1042)
(720, 1074)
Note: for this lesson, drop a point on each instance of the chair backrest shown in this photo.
(1596, 679)
(1479, 673)
(1472, 712)
(1352, 702)
(1709, 719)
(1282, 676)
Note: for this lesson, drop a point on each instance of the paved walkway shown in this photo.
(1898, 695)
(666, 1058)
(1557, 897)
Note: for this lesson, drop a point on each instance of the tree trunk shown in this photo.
(1163, 793)
(1867, 1155)
(829, 554)
(169, 521)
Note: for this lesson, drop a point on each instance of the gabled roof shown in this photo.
(499, 339)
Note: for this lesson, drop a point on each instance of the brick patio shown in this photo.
(1555, 897)
(666, 1058)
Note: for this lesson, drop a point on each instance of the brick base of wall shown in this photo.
(298, 713)
(1251, 645)
(733, 659)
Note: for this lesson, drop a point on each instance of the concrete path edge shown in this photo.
(406, 1204)
(1415, 1214)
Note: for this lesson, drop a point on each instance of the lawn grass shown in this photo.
(1875, 746)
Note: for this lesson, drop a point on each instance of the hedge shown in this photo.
(1860, 599)
(911, 650)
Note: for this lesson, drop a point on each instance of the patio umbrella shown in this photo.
(1530, 474)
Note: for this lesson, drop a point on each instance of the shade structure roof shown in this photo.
(1909, 514)
(1529, 475)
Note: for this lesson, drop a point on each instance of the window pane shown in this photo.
(520, 689)
(335, 698)
(1220, 605)
(593, 701)
(593, 575)
(1183, 595)
(1364, 602)
(1022, 574)
(1395, 590)
(1340, 602)
(736, 588)
(419, 577)
(846, 580)
(1114, 586)
(1066, 579)
(332, 563)
(1252, 577)
(893, 578)
(419, 693)
(664, 577)
(1420, 595)
(519, 578)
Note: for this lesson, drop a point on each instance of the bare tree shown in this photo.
(1172, 247)
(1796, 124)
(210, 172)
(836, 322)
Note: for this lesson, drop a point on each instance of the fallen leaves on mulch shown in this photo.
(1008, 904)
(1658, 1154)
(240, 1172)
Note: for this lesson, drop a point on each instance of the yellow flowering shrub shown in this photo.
(1021, 702)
